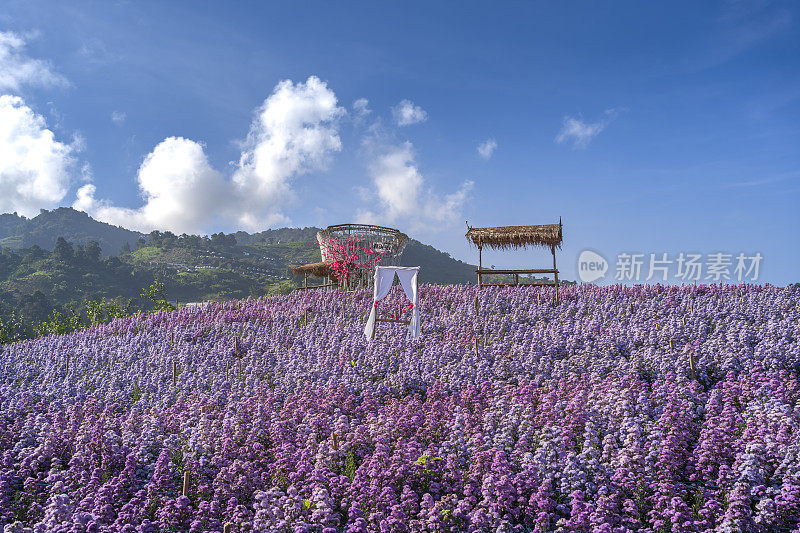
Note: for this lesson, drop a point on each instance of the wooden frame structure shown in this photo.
(502, 237)
(407, 284)
(389, 242)
(392, 320)
(320, 270)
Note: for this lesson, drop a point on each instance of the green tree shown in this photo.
(63, 250)
(34, 307)
(106, 310)
(58, 323)
(220, 240)
(157, 294)
(92, 251)
(11, 330)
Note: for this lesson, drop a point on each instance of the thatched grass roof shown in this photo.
(516, 236)
(318, 270)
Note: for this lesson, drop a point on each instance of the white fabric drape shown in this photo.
(384, 276)
(408, 280)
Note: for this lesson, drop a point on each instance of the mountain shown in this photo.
(192, 267)
(63, 260)
(75, 226)
(281, 247)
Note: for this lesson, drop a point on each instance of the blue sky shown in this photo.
(649, 128)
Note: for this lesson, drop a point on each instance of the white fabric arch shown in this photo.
(384, 276)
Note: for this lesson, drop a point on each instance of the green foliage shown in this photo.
(74, 226)
(136, 394)
(146, 253)
(60, 263)
(59, 323)
(220, 240)
(179, 460)
(425, 459)
(157, 294)
(282, 287)
(11, 330)
(350, 466)
(106, 310)
(63, 250)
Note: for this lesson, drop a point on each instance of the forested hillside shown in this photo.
(61, 260)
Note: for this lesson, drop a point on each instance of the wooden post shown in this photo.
(476, 347)
(516, 279)
(305, 280)
(480, 267)
(670, 344)
(555, 274)
(226, 528)
(476, 305)
(174, 371)
(202, 410)
(186, 484)
(335, 441)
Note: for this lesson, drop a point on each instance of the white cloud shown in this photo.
(95, 52)
(87, 174)
(361, 107)
(295, 132)
(487, 148)
(406, 113)
(17, 69)
(401, 192)
(118, 117)
(34, 167)
(581, 133)
(181, 191)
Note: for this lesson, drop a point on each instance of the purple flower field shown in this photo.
(578, 417)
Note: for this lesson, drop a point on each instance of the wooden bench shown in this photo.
(306, 287)
(516, 272)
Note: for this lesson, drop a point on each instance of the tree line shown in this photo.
(89, 313)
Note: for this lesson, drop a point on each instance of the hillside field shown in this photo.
(645, 408)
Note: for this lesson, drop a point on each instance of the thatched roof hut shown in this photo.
(502, 237)
(318, 270)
